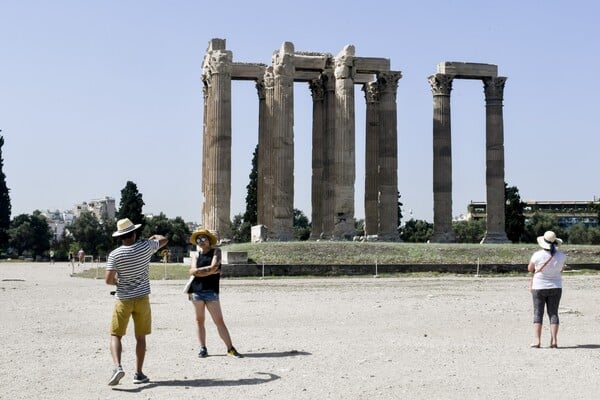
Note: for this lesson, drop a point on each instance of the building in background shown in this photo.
(58, 220)
(101, 208)
(567, 213)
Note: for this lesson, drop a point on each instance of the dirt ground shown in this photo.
(328, 338)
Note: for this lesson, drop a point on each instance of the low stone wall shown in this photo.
(258, 270)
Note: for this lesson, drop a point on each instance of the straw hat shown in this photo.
(548, 240)
(203, 232)
(125, 226)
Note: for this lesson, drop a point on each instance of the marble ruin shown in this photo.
(331, 81)
(441, 85)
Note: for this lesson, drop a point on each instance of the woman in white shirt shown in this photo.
(546, 265)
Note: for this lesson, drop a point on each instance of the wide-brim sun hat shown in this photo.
(204, 232)
(125, 226)
(548, 240)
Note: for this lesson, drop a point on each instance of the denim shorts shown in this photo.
(205, 296)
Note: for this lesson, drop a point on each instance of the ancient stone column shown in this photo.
(216, 162)
(494, 129)
(388, 156)
(344, 146)
(373, 128)
(328, 202)
(317, 91)
(264, 184)
(441, 86)
(283, 144)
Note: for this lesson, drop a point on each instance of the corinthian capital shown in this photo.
(260, 88)
(344, 63)
(441, 84)
(371, 90)
(494, 88)
(283, 61)
(217, 62)
(317, 89)
(388, 81)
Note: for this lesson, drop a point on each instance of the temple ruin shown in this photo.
(331, 81)
(441, 85)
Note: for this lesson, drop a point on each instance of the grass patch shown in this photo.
(357, 253)
(302, 253)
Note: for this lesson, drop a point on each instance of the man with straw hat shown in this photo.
(127, 267)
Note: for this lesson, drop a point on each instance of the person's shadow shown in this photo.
(264, 378)
(581, 346)
(291, 353)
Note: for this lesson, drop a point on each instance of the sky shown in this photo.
(97, 93)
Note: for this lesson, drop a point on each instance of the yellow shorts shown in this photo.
(138, 309)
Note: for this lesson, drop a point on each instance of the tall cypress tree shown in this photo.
(5, 207)
(514, 220)
(131, 204)
(251, 214)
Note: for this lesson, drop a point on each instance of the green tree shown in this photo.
(131, 204)
(63, 246)
(540, 223)
(158, 224)
(251, 214)
(301, 225)
(179, 234)
(21, 234)
(42, 233)
(578, 234)
(471, 231)
(30, 234)
(106, 242)
(416, 231)
(176, 230)
(88, 233)
(399, 212)
(5, 206)
(241, 225)
(359, 226)
(594, 235)
(241, 229)
(514, 222)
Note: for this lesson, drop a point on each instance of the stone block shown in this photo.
(463, 70)
(258, 233)
(235, 257)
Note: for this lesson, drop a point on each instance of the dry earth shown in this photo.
(336, 338)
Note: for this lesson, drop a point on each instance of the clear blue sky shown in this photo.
(96, 93)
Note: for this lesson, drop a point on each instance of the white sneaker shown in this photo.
(117, 374)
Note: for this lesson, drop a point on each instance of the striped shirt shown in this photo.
(132, 266)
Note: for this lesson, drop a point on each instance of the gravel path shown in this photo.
(324, 338)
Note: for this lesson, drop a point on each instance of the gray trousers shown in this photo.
(550, 298)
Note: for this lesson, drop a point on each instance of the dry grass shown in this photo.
(400, 253)
(356, 253)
